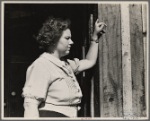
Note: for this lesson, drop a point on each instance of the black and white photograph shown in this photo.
(79, 60)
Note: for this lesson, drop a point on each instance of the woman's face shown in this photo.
(64, 43)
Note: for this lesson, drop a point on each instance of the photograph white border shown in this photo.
(69, 2)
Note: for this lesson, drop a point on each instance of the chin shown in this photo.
(66, 53)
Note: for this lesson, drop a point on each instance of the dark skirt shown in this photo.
(45, 113)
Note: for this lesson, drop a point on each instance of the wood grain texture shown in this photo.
(92, 97)
(91, 22)
(137, 60)
(96, 91)
(126, 61)
(145, 46)
(96, 73)
(110, 62)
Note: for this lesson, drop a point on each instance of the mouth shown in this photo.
(69, 47)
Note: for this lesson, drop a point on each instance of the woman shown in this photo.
(51, 88)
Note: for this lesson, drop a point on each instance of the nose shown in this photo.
(71, 42)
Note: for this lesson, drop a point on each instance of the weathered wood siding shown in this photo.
(126, 61)
(137, 54)
(121, 61)
(110, 62)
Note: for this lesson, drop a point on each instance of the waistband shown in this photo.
(67, 110)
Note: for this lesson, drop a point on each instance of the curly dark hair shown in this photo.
(51, 32)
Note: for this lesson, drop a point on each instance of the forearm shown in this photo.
(91, 57)
(31, 110)
(31, 107)
(92, 52)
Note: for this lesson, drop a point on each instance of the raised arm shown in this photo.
(92, 54)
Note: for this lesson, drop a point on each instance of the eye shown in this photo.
(67, 38)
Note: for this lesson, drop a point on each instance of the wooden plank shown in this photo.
(92, 79)
(83, 57)
(96, 91)
(137, 60)
(92, 97)
(90, 27)
(110, 62)
(145, 46)
(126, 61)
(96, 73)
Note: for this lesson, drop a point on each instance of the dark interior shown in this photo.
(22, 22)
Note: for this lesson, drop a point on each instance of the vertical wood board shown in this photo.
(137, 60)
(110, 61)
(126, 61)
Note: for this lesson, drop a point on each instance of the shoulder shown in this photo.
(39, 70)
(74, 64)
(40, 63)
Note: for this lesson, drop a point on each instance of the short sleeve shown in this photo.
(37, 81)
(74, 64)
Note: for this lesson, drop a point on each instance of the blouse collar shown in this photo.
(56, 61)
(53, 59)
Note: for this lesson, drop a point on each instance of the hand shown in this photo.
(99, 29)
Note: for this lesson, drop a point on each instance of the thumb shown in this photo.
(69, 61)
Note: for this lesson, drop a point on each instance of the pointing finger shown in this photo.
(97, 21)
(102, 23)
(101, 26)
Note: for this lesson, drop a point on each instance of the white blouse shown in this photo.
(53, 82)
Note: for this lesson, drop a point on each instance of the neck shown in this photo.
(56, 54)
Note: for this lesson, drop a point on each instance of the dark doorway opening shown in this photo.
(22, 22)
